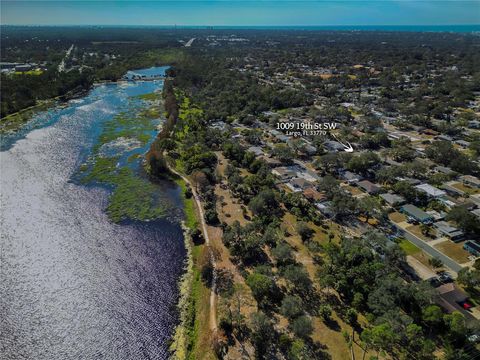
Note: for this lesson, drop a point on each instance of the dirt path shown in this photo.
(213, 310)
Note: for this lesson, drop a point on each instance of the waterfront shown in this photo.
(76, 285)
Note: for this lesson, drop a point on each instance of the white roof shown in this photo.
(430, 190)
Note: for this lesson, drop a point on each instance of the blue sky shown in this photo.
(246, 13)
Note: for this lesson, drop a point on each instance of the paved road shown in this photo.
(189, 43)
(452, 264)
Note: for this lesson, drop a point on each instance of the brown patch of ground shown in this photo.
(333, 338)
(416, 230)
(397, 217)
(454, 251)
(353, 190)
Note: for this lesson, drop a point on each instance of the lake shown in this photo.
(74, 284)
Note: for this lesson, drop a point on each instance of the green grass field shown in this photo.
(408, 247)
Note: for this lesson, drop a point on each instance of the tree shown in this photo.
(304, 231)
(379, 337)
(264, 204)
(299, 350)
(282, 253)
(457, 327)
(200, 180)
(329, 185)
(467, 221)
(432, 315)
(325, 312)
(425, 229)
(298, 277)
(368, 206)
(292, 306)
(363, 162)
(283, 153)
(469, 278)
(262, 334)
(263, 287)
(302, 326)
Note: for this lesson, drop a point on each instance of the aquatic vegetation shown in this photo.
(115, 162)
(134, 198)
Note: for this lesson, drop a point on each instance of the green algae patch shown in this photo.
(134, 198)
(149, 97)
(116, 163)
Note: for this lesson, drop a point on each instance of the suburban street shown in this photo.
(453, 265)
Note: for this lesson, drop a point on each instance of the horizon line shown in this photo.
(239, 25)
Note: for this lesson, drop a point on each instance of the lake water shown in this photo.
(74, 285)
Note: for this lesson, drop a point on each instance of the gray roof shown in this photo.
(350, 176)
(447, 229)
(417, 213)
(369, 186)
(333, 145)
(430, 190)
(392, 199)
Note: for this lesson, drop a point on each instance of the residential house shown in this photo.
(471, 180)
(284, 173)
(444, 170)
(452, 190)
(369, 187)
(472, 247)
(417, 214)
(430, 190)
(333, 146)
(258, 151)
(325, 208)
(444, 137)
(464, 144)
(393, 199)
(298, 184)
(449, 231)
(451, 299)
(476, 212)
(271, 162)
(351, 177)
(474, 124)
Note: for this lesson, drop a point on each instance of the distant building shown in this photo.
(471, 180)
(23, 67)
(369, 187)
(325, 208)
(417, 214)
(256, 150)
(333, 146)
(451, 299)
(476, 212)
(474, 124)
(472, 247)
(430, 190)
(464, 144)
(298, 184)
(449, 231)
(444, 170)
(284, 173)
(351, 177)
(393, 199)
(444, 137)
(452, 190)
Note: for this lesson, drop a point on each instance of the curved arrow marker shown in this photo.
(348, 148)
